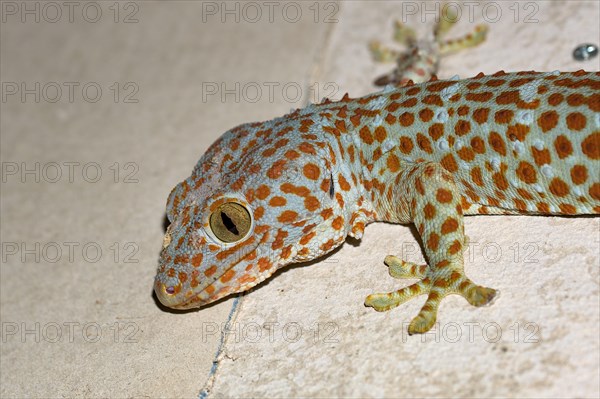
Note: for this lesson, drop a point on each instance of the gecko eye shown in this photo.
(230, 222)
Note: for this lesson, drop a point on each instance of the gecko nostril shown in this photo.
(170, 290)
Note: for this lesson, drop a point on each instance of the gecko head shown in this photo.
(239, 218)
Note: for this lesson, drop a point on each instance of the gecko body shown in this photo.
(269, 194)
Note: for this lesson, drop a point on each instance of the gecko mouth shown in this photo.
(196, 300)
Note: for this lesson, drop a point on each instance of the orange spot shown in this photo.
(563, 146)
(210, 271)
(380, 133)
(433, 241)
(411, 102)
(548, 120)
(478, 145)
(268, 152)
(286, 252)
(259, 212)
(311, 171)
(306, 238)
(365, 135)
(559, 187)
(495, 82)
(426, 114)
(480, 115)
(393, 107)
(338, 223)
(263, 192)
(497, 143)
(424, 143)
(393, 163)
(307, 148)
(455, 247)
(479, 97)
(591, 146)
(197, 259)
(576, 121)
(466, 154)
(449, 226)
(277, 201)
(344, 185)
(406, 119)
(579, 174)
(406, 145)
(567, 209)
(476, 176)
(419, 186)
(326, 213)
(210, 289)
(300, 191)
(449, 163)
(228, 275)
(595, 191)
(500, 181)
(276, 170)
(444, 196)
(436, 131)
(555, 99)
(540, 157)
(413, 90)
(291, 154)
(526, 172)
(576, 99)
(433, 99)
(263, 264)
(429, 211)
(311, 203)
(520, 204)
(462, 127)
(287, 216)
(503, 116)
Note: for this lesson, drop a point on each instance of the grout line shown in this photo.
(210, 381)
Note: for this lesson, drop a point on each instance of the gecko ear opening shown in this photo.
(230, 222)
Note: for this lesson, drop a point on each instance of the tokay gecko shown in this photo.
(269, 194)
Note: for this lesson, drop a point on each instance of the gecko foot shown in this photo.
(436, 289)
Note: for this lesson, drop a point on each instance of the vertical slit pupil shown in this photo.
(229, 224)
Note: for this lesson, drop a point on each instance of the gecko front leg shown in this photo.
(425, 194)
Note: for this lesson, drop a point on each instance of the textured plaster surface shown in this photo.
(306, 332)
